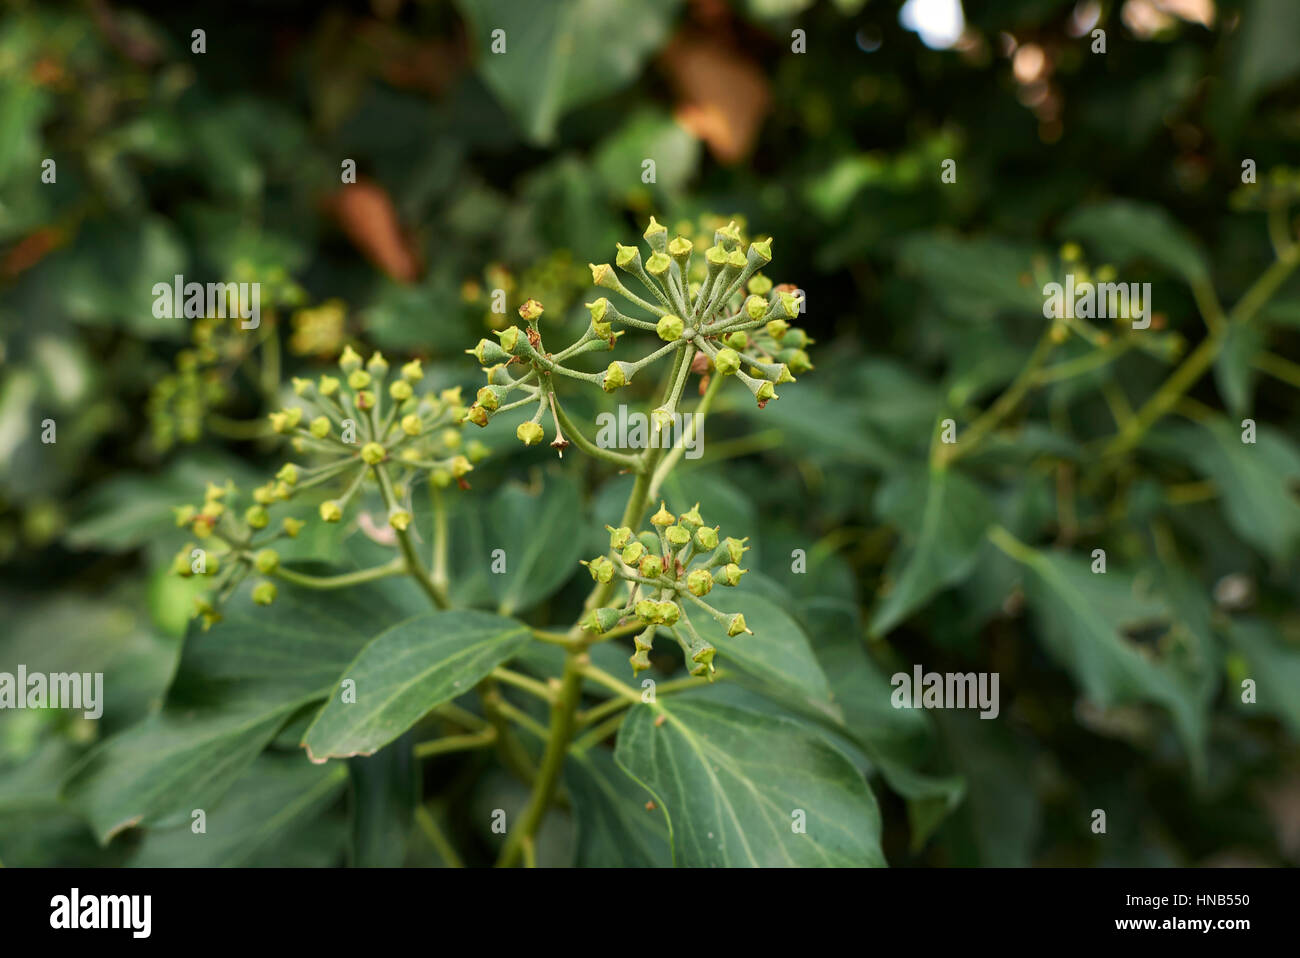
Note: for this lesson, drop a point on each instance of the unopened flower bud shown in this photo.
(699, 581)
(477, 415)
(489, 353)
(706, 539)
(264, 593)
(647, 610)
(329, 385)
(669, 613)
(489, 397)
(256, 517)
(726, 362)
(320, 427)
(511, 338)
(184, 515)
(652, 567)
(350, 361)
(181, 564)
(730, 574)
(691, 518)
(759, 285)
(400, 390)
(365, 399)
(301, 386)
(663, 517)
(677, 536)
(755, 307)
(460, 467)
(601, 569)
(600, 621)
(378, 365)
(292, 526)
(399, 519)
(267, 561)
(738, 340)
(735, 548)
(359, 379)
(288, 473)
(413, 372)
(411, 424)
(620, 537)
(530, 310)
(657, 264)
(790, 303)
(530, 433)
(633, 552)
(477, 451)
(737, 625)
(670, 328)
(614, 377)
(373, 453)
(627, 256)
(330, 511)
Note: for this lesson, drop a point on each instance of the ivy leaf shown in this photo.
(535, 528)
(404, 672)
(946, 517)
(1255, 479)
(615, 828)
(777, 656)
(271, 804)
(1124, 230)
(1234, 372)
(563, 53)
(1273, 664)
(236, 685)
(736, 784)
(972, 279)
(1081, 617)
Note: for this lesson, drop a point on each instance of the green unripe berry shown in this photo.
(267, 561)
(320, 427)
(373, 453)
(677, 536)
(358, 379)
(264, 593)
(633, 552)
(706, 539)
(400, 390)
(620, 537)
(652, 567)
(755, 307)
(738, 340)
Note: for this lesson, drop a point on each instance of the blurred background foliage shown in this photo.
(481, 172)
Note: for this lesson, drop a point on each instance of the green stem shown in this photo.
(572, 432)
(396, 567)
(413, 565)
(456, 743)
(437, 839)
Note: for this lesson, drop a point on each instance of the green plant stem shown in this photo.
(1002, 406)
(573, 433)
(440, 539)
(396, 567)
(619, 702)
(1279, 368)
(557, 746)
(512, 753)
(602, 731)
(673, 455)
(424, 818)
(523, 720)
(539, 689)
(404, 541)
(456, 743)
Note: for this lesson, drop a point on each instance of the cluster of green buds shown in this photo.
(715, 312)
(232, 544)
(366, 424)
(668, 569)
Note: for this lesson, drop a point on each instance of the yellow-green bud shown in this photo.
(378, 365)
(663, 517)
(699, 581)
(399, 519)
(677, 536)
(691, 518)
(619, 537)
(460, 466)
(762, 250)
(614, 377)
(790, 303)
(292, 526)
(530, 433)
(626, 255)
(411, 424)
(600, 621)
(706, 539)
(365, 399)
(777, 328)
(373, 453)
(489, 353)
(358, 379)
(257, 517)
(184, 515)
(726, 362)
(413, 372)
(264, 593)
(329, 385)
(601, 569)
(730, 574)
(350, 361)
(633, 552)
(657, 264)
(669, 613)
(288, 473)
(737, 625)
(330, 511)
(267, 561)
(477, 415)
(735, 548)
(488, 398)
(531, 310)
(400, 390)
(755, 307)
(652, 567)
(510, 338)
(670, 328)
(320, 427)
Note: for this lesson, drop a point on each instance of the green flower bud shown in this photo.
(302, 386)
(511, 338)
(759, 285)
(706, 539)
(670, 328)
(184, 515)
(489, 397)
(257, 517)
(663, 517)
(614, 377)
(330, 511)
(726, 362)
(633, 552)
(640, 660)
(413, 372)
(716, 256)
(627, 256)
(365, 399)
(730, 574)
(267, 561)
(329, 385)
(755, 307)
(699, 581)
(737, 625)
(264, 593)
(677, 536)
(790, 303)
(292, 526)
(531, 310)
(652, 567)
(598, 310)
(399, 519)
(776, 328)
(460, 467)
(601, 569)
(657, 264)
(655, 234)
(669, 613)
(288, 473)
(619, 537)
(400, 390)
(350, 361)
(373, 453)
(680, 248)
(489, 353)
(531, 433)
(378, 365)
(411, 424)
(736, 259)
(735, 547)
(737, 340)
(763, 392)
(320, 427)
(647, 610)
(692, 518)
(477, 415)
(359, 379)
(796, 360)
(181, 564)
(600, 621)
(761, 251)
(704, 660)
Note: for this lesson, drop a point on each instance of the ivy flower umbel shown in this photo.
(368, 424)
(714, 307)
(668, 571)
